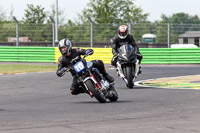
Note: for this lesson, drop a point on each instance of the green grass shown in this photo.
(12, 69)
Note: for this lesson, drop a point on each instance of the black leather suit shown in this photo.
(117, 42)
(65, 61)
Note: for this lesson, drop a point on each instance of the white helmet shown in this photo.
(64, 43)
(123, 31)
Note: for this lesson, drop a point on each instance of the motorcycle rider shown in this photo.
(64, 61)
(123, 37)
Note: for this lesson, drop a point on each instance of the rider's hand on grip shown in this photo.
(89, 52)
(63, 70)
(116, 54)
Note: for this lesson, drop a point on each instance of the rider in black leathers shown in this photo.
(121, 38)
(64, 61)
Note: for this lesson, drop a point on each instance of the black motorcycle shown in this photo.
(91, 80)
(127, 64)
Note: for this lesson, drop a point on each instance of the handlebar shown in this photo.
(68, 68)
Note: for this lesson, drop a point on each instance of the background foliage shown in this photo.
(107, 16)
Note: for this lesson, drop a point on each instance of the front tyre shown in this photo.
(129, 76)
(97, 94)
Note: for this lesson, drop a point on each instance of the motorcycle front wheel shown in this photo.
(96, 93)
(129, 77)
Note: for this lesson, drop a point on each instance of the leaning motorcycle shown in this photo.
(91, 80)
(127, 64)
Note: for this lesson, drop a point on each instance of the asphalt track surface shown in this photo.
(42, 103)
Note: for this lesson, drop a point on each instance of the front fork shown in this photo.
(135, 73)
(120, 71)
(103, 87)
(93, 80)
(137, 67)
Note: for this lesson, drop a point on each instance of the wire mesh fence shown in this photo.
(101, 32)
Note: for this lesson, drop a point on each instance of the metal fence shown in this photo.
(91, 32)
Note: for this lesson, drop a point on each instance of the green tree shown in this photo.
(113, 11)
(2, 15)
(180, 23)
(52, 13)
(34, 24)
(107, 16)
(7, 29)
(35, 15)
(7, 26)
(161, 29)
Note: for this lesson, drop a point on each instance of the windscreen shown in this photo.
(127, 50)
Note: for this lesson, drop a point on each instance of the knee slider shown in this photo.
(73, 92)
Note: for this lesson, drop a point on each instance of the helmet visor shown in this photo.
(63, 49)
(122, 33)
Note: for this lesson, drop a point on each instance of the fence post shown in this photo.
(56, 23)
(17, 31)
(53, 25)
(91, 36)
(168, 34)
(130, 24)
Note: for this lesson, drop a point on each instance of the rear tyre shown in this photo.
(97, 94)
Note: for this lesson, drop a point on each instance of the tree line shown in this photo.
(106, 15)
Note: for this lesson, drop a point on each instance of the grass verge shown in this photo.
(12, 69)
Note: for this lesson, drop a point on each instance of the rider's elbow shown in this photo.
(59, 73)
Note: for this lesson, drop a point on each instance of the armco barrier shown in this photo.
(104, 54)
(150, 55)
(27, 54)
(170, 55)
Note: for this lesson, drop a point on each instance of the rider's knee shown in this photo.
(100, 62)
(140, 57)
(113, 62)
(73, 92)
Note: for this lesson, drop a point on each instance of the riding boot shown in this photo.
(109, 78)
(140, 71)
(110, 91)
(117, 72)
